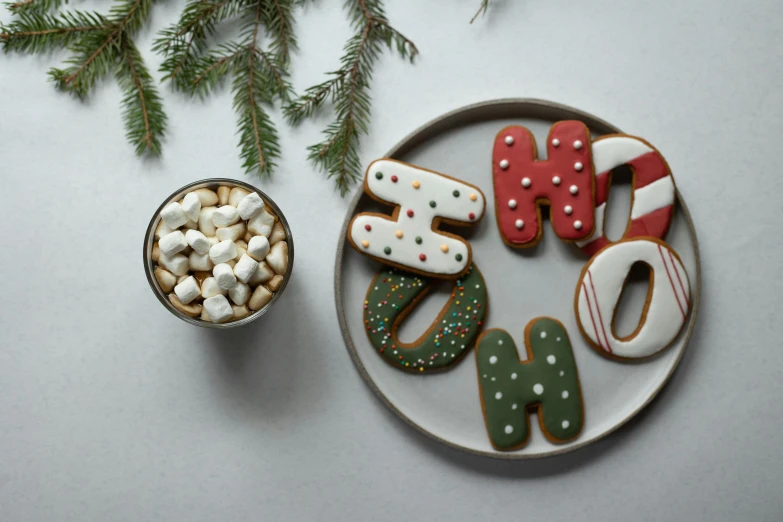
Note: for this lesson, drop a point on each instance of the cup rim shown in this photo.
(149, 263)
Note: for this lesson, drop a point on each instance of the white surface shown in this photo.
(522, 285)
(132, 415)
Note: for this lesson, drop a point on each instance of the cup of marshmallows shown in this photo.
(218, 253)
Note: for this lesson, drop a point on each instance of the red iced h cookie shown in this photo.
(564, 181)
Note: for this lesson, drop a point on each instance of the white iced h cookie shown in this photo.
(409, 238)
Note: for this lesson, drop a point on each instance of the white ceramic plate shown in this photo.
(522, 285)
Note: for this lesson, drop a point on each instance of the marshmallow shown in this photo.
(173, 215)
(200, 262)
(224, 275)
(218, 308)
(187, 290)
(201, 275)
(239, 294)
(191, 225)
(205, 316)
(207, 197)
(223, 193)
(210, 288)
(262, 275)
(250, 206)
(245, 268)
(165, 279)
(278, 234)
(274, 284)
(172, 243)
(231, 233)
(155, 254)
(176, 264)
(236, 195)
(213, 241)
(225, 216)
(193, 310)
(248, 236)
(182, 278)
(240, 312)
(223, 251)
(162, 230)
(278, 257)
(241, 248)
(260, 297)
(205, 223)
(261, 224)
(258, 248)
(197, 241)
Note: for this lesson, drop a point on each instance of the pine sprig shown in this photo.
(100, 45)
(37, 6)
(348, 89)
(482, 10)
(259, 76)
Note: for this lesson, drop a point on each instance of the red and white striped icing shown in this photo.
(601, 284)
(653, 189)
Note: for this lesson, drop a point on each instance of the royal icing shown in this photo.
(547, 381)
(653, 189)
(600, 287)
(393, 294)
(563, 180)
(409, 237)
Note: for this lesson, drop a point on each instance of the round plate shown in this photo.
(522, 285)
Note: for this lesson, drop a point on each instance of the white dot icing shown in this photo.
(514, 376)
(508, 429)
(564, 394)
(565, 424)
(573, 189)
(526, 182)
(493, 360)
(512, 203)
(514, 406)
(555, 142)
(519, 224)
(568, 209)
(538, 389)
(577, 144)
(556, 180)
(551, 359)
(498, 396)
(504, 164)
(578, 224)
(509, 140)
(543, 335)
(578, 166)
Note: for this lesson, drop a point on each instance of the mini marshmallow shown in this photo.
(193, 310)
(191, 205)
(205, 316)
(262, 275)
(274, 284)
(240, 312)
(182, 278)
(248, 236)
(218, 308)
(162, 230)
(172, 243)
(210, 288)
(176, 264)
(165, 279)
(241, 249)
(213, 241)
(200, 262)
(278, 234)
(231, 233)
(191, 225)
(187, 290)
(197, 241)
(173, 215)
(224, 275)
(205, 223)
(207, 197)
(223, 193)
(155, 254)
(201, 275)
(236, 195)
(225, 216)
(223, 251)
(240, 294)
(261, 224)
(258, 248)
(260, 297)
(250, 206)
(245, 269)
(278, 257)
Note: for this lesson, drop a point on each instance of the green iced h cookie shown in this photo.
(547, 380)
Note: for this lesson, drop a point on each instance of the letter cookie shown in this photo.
(564, 181)
(547, 381)
(601, 285)
(652, 203)
(394, 294)
(410, 238)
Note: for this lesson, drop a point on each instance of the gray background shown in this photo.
(111, 409)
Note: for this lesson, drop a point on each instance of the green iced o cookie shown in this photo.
(393, 294)
(547, 381)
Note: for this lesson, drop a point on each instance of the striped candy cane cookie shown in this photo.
(601, 285)
(653, 194)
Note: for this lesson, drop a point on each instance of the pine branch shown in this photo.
(35, 32)
(145, 121)
(37, 6)
(348, 89)
(279, 21)
(482, 10)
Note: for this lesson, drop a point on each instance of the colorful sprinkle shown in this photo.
(422, 257)
(418, 240)
(379, 175)
(455, 193)
(444, 249)
(473, 197)
(458, 257)
(471, 216)
(367, 228)
(365, 243)
(410, 213)
(416, 184)
(394, 179)
(432, 203)
(387, 251)
(398, 234)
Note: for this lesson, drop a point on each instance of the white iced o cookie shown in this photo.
(601, 285)
(409, 238)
